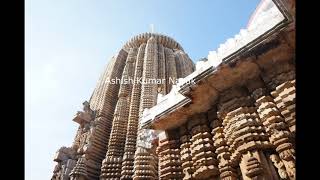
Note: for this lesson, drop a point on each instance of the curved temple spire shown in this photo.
(106, 145)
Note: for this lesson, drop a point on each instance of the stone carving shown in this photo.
(253, 167)
(280, 166)
(185, 153)
(108, 125)
(118, 133)
(162, 88)
(285, 99)
(202, 149)
(79, 172)
(148, 99)
(224, 126)
(169, 156)
(171, 69)
(98, 136)
(244, 134)
(85, 116)
(66, 158)
(145, 164)
(227, 172)
(278, 131)
(132, 128)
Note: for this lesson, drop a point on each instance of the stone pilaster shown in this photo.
(244, 134)
(285, 99)
(169, 156)
(144, 165)
(222, 149)
(99, 91)
(279, 136)
(203, 153)
(247, 138)
(185, 153)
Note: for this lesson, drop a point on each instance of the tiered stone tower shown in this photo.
(105, 144)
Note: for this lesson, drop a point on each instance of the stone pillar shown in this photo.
(247, 139)
(227, 172)
(171, 72)
(132, 128)
(169, 155)
(285, 99)
(143, 157)
(145, 164)
(280, 80)
(111, 167)
(203, 153)
(244, 134)
(279, 134)
(185, 153)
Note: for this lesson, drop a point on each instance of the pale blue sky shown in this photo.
(69, 42)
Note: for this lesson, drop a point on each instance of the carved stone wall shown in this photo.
(250, 137)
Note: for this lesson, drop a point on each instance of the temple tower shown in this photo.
(105, 146)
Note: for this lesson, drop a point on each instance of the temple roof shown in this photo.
(232, 64)
(139, 39)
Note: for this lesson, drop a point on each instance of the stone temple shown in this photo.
(229, 116)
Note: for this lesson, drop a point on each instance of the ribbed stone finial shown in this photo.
(166, 41)
(151, 39)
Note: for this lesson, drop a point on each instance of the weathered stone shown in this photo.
(236, 120)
